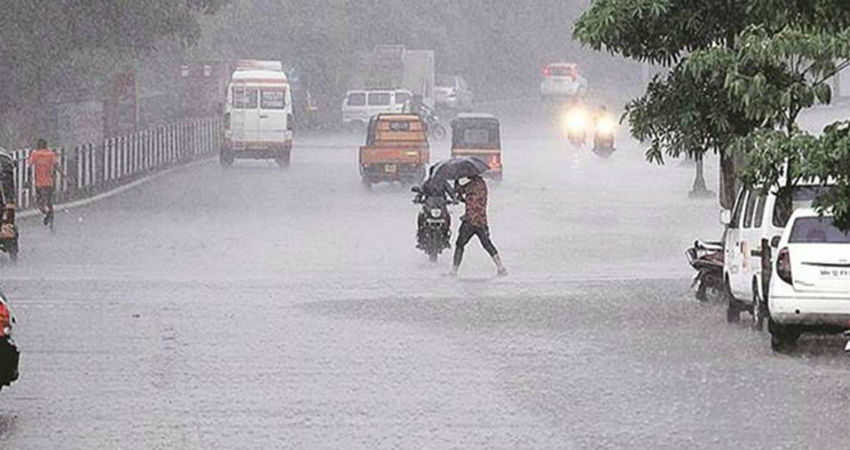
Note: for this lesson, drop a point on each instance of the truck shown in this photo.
(396, 67)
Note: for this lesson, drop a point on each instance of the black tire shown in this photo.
(438, 131)
(366, 183)
(13, 251)
(782, 338)
(759, 310)
(701, 289)
(225, 158)
(284, 159)
(733, 307)
(433, 255)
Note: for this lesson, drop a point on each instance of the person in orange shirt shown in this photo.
(44, 164)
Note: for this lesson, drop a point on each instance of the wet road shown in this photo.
(255, 308)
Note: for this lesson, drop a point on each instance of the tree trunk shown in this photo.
(728, 182)
(699, 190)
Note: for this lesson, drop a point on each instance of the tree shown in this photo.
(689, 111)
(40, 40)
(772, 77)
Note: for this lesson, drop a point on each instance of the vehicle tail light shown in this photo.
(783, 266)
(546, 71)
(5, 320)
(227, 121)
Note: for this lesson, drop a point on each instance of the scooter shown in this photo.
(9, 353)
(603, 137)
(434, 222)
(707, 259)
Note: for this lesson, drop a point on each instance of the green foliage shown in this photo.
(683, 115)
(742, 71)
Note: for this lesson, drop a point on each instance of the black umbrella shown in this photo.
(457, 167)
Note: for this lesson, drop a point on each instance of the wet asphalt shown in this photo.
(258, 308)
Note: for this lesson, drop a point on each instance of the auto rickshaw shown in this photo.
(396, 149)
(8, 194)
(478, 135)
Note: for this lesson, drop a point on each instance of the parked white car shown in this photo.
(759, 216)
(810, 282)
(562, 80)
(360, 105)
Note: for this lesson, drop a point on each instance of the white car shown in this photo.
(360, 105)
(562, 80)
(759, 217)
(810, 282)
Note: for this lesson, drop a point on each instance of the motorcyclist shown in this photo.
(434, 189)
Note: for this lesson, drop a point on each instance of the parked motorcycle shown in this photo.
(9, 353)
(434, 221)
(707, 259)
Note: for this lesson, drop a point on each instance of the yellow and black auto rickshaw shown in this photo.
(8, 195)
(478, 135)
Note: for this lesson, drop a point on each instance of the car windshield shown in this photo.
(561, 71)
(273, 98)
(356, 99)
(244, 98)
(379, 98)
(799, 196)
(445, 81)
(402, 97)
(481, 137)
(817, 230)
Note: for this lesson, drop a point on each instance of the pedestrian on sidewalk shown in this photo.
(473, 192)
(44, 165)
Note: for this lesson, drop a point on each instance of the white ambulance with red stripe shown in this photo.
(258, 118)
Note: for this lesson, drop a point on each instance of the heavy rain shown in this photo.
(292, 224)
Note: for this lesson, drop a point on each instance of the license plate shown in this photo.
(390, 168)
(835, 274)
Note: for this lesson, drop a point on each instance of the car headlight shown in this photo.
(606, 126)
(436, 212)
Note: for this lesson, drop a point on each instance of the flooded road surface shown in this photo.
(259, 308)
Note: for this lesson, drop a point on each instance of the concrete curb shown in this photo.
(116, 191)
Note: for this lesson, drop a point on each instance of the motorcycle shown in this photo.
(436, 130)
(707, 259)
(9, 354)
(434, 222)
(575, 122)
(603, 137)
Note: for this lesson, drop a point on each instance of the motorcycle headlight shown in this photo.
(606, 126)
(436, 212)
(575, 121)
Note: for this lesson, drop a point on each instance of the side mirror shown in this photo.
(774, 241)
(416, 189)
(725, 217)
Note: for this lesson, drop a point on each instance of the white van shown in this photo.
(258, 121)
(360, 105)
(759, 214)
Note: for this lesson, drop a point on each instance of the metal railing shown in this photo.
(89, 169)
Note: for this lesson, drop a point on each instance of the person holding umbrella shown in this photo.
(472, 191)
